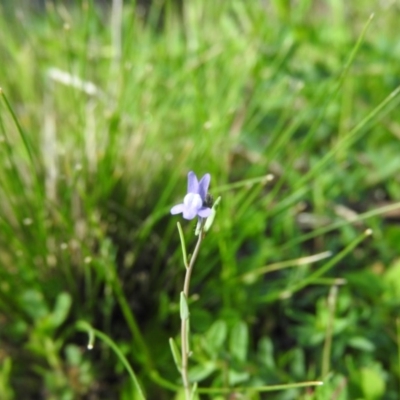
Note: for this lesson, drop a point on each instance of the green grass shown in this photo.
(102, 117)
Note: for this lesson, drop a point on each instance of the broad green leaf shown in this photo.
(265, 353)
(361, 343)
(392, 281)
(372, 383)
(239, 340)
(236, 377)
(202, 371)
(216, 335)
(33, 303)
(61, 309)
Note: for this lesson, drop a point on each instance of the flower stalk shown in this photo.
(195, 204)
(185, 348)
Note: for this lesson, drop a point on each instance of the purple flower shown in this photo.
(193, 203)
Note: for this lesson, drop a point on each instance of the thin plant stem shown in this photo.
(316, 275)
(321, 271)
(261, 389)
(185, 356)
(24, 136)
(189, 268)
(398, 342)
(332, 297)
(359, 218)
(84, 326)
(185, 321)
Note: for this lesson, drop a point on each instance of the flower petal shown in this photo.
(203, 186)
(204, 212)
(193, 183)
(179, 208)
(193, 201)
(189, 213)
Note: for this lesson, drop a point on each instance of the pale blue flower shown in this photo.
(194, 203)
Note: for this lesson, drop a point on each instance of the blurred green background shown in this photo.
(104, 110)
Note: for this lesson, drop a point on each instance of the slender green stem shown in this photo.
(185, 357)
(351, 137)
(24, 137)
(84, 326)
(185, 321)
(251, 276)
(321, 271)
(336, 225)
(329, 331)
(189, 269)
(313, 277)
(398, 342)
(260, 389)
